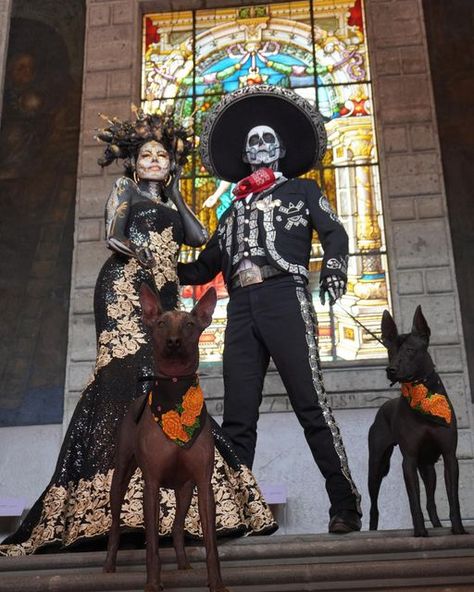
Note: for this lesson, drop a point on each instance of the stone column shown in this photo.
(111, 83)
(417, 227)
(5, 12)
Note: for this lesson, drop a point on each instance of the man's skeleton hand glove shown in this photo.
(334, 286)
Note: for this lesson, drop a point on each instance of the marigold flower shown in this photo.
(188, 418)
(193, 400)
(406, 388)
(425, 405)
(418, 392)
(440, 407)
(183, 435)
(171, 424)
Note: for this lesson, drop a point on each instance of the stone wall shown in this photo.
(111, 71)
(452, 70)
(418, 235)
(417, 226)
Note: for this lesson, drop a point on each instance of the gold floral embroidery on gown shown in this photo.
(75, 505)
(82, 510)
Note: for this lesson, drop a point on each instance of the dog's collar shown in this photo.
(163, 377)
(428, 379)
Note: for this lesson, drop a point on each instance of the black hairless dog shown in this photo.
(421, 421)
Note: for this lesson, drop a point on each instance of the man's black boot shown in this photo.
(344, 521)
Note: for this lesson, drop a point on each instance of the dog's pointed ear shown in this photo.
(151, 305)
(420, 326)
(389, 329)
(204, 308)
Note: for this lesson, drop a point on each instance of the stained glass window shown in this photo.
(319, 49)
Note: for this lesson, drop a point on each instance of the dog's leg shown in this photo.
(151, 509)
(380, 451)
(183, 500)
(120, 480)
(207, 514)
(412, 483)
(428, 474)
(451, 477)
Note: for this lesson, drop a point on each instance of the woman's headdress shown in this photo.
(124, 139)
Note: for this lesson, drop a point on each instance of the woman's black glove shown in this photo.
(195, 234)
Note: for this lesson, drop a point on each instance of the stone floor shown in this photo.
(385, 561)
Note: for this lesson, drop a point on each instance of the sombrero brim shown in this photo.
(299, 125)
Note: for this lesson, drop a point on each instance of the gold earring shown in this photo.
(135, 177)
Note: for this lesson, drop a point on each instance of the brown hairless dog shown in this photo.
(168, 436)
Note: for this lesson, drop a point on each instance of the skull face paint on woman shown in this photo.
(263, 148)
(153, 162)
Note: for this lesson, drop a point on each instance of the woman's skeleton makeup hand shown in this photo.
(334, 286)
(263, 148)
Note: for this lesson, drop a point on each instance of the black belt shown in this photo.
(253, 275)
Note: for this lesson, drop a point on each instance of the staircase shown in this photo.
(386, 561)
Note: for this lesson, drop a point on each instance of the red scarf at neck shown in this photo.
(254, 183)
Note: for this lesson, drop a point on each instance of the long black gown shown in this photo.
(75, 505)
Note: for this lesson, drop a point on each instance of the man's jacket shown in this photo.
(286, 219)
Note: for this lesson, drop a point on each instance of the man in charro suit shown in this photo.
(261, 138)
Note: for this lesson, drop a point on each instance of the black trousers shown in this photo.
(276, 319)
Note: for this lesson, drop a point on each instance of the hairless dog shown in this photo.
(168, 436)
(421, 421)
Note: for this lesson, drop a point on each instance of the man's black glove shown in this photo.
(334, 286)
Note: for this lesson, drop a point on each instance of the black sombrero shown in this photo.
(298, 123)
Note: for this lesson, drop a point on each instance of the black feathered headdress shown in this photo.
(124, 139)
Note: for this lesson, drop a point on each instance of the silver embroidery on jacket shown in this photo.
(252, 245)
(296, 221)
(292, 209)
(338, 263)
(309, 317)
(270, 234)
(224, 233)
(326, 207)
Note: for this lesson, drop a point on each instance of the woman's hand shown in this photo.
(144, 256)
(171, 188)
(195, 234)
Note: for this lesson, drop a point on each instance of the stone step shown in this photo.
(367, 561)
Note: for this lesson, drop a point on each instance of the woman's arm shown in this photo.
(117, 211)
(195, 234)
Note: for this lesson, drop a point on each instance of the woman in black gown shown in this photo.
(147, 221)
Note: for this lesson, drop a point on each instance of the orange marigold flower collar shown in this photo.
(178, 407)
(430, 400)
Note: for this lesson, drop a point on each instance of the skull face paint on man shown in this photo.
(153, 162)
(263, 148)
